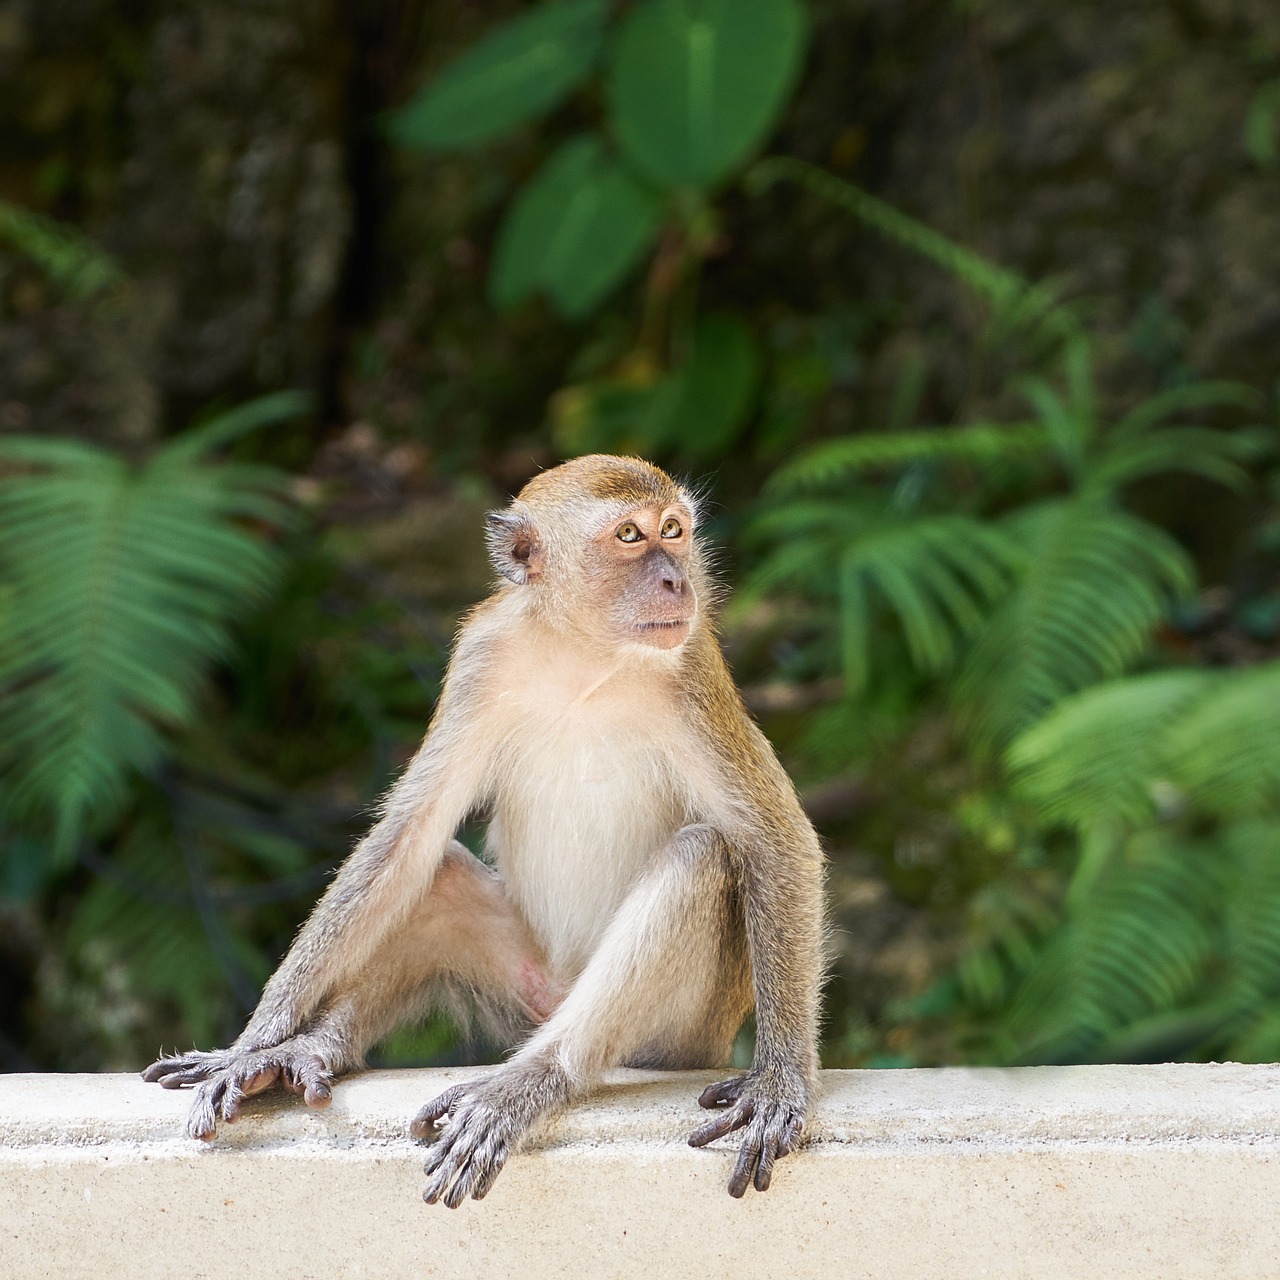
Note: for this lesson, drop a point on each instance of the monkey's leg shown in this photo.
(668, 983)
(464, 933)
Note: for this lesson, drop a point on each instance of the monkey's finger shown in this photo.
(314, 1078)
(734, 1118)
(185, 1069)
(487, 1179)
(716, 1095)
(260, 1081)
(769, 1153)
(232, 1097)
(203, 1121)
(457, 1157)
(437, 1185)
(457, 1146)
(748, 1156)
(483, 1164)
(317, 1095)
(448, 1145)
(466, 1181)
(791, 1136)
(424, 1123)
(161, 1068)
(176, 1079)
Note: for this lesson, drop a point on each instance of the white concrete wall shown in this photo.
(1097, 1172)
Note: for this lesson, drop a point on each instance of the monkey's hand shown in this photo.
(772, 1113)
(485, 1121)
(227, 1076)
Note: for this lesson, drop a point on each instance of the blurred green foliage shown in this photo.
(1006, 594)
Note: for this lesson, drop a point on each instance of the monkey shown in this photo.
(651, 876)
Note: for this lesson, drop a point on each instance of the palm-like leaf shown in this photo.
(122, 584)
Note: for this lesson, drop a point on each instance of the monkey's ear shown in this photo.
(513, 546)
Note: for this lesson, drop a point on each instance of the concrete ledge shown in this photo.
(1161, 1171)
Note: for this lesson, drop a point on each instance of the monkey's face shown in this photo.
(641, 563)
(605, 549)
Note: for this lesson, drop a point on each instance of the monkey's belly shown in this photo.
(571, 833)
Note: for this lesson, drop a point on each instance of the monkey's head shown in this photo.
(605, 547)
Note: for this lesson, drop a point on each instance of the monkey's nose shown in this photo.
(674, 583)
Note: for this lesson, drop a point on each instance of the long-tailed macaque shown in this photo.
(653, 874)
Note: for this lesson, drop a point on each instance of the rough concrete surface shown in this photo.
(1162, 1171)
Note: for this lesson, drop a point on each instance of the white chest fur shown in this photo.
(587, 801)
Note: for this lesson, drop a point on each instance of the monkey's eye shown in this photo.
(629, 532)
(671, 527)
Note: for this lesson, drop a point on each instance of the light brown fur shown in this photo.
(655, 873)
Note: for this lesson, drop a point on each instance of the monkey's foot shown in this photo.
(227, 1076)
(484, 1124)
(772, 1114)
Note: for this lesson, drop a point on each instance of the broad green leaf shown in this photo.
(711, 394)
(697, 85)
(574, 231)
(519, 71)
(1260, 125)
(696, 410)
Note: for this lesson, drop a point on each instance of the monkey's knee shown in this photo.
(462, 876)
(699, 847)
(483, 938)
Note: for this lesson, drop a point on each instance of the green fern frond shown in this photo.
(834, 461)
(1226, 750)
(1136, 947)
(938, 575)
(1103, 752)
(1071, 421)
(230, 425)
(1005, 290)
(1097, 583)
(159, 936)
(1251, 927)
(124, 584)
(1036, 318)
(1185, 399)
(1216, 455)
(62, 253)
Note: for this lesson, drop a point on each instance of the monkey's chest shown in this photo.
(584, 811)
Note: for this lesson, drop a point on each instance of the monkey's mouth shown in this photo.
(667, 633)
(672, 625)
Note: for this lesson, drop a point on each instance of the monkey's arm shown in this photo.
(302, 1031)
(779, 863)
